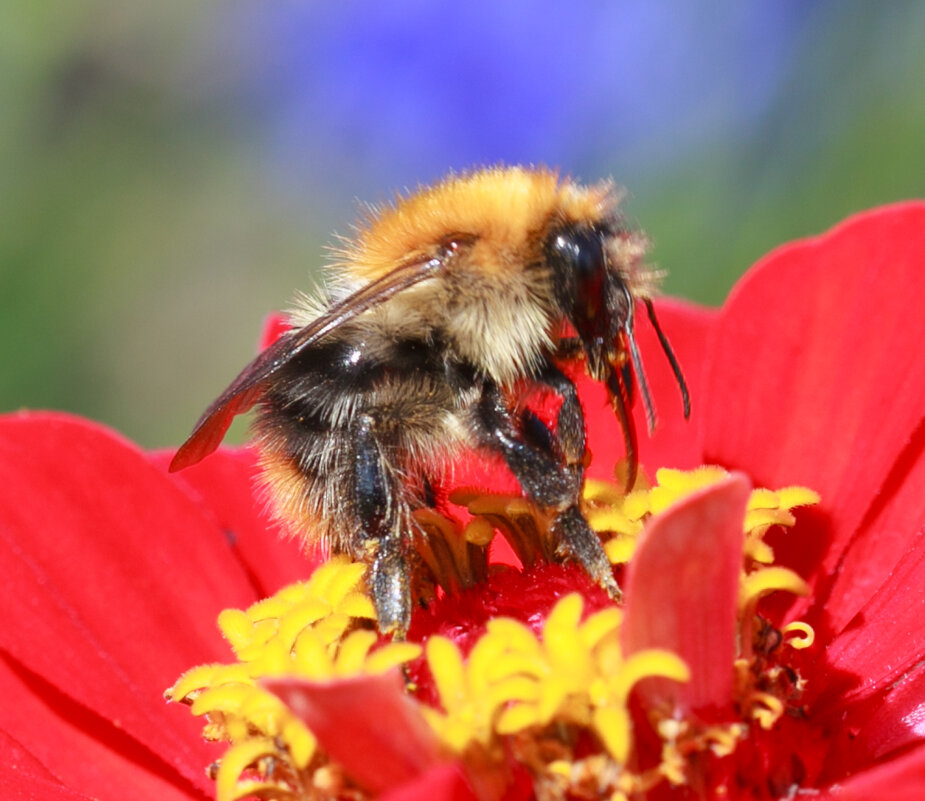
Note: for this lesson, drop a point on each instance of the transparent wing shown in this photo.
(254, 379)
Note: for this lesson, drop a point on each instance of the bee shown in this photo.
(441, 313)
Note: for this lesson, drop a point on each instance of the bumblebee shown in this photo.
(442, 313)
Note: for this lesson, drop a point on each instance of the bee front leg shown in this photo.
(570, 426)
(548, 481)
(378, 507)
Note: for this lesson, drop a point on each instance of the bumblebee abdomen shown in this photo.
(310, 424)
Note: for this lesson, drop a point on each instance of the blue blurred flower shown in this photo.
(404, 90)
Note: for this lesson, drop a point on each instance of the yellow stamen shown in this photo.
(768, 580)
(723, 740)
(673, 485)
(766, 709)
(239, 759)
(614, 727)
(620, 550)
(307, 630)
(514, 680)
(604, 492)
(517, 692)
(791, 497)
(620, 519)
(808, 634)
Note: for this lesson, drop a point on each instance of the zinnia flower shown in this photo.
(530, 682)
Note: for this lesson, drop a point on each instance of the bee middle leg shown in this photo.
(379, 505)
(547, 478)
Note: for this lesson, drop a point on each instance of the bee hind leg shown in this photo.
(378, 507)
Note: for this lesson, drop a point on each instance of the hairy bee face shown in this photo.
(440, 311)
(589, 289)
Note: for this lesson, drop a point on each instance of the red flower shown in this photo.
(810, 374)
(113, 576)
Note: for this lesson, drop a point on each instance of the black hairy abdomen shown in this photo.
(316, 403)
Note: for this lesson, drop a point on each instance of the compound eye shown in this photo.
(579, 267)
(583, 253)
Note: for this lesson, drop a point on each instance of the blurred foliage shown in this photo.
(170, 172)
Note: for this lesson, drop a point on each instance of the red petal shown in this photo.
(274, 326)
(884, 536)
(367, 725)
(225, 486)
(682, 591)
(20, 760)
(898, 779)
(20, 782)
(676, 441)
(883, 725)
(815, 375)
(885, 642)
(58, 741)
(26, 788)
(113, 579)
(445, 782)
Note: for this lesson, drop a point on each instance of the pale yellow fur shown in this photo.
(502, 210)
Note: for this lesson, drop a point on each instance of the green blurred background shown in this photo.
(170, 172)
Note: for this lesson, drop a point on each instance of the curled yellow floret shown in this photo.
(312, 630)
(573, 673)
(554, 695)
(806, 636)
(766, 580)
(620, 518)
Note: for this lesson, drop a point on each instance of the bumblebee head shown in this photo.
(596, 282)
(590, 291)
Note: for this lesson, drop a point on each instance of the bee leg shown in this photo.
(570, 348)
(576, 537)
(539, 472)
(548, 481)
(579, 541)
(570, 426)
(377, 505)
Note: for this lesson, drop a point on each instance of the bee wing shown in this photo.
(253, 380)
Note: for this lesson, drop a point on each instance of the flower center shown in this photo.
(551, 695)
